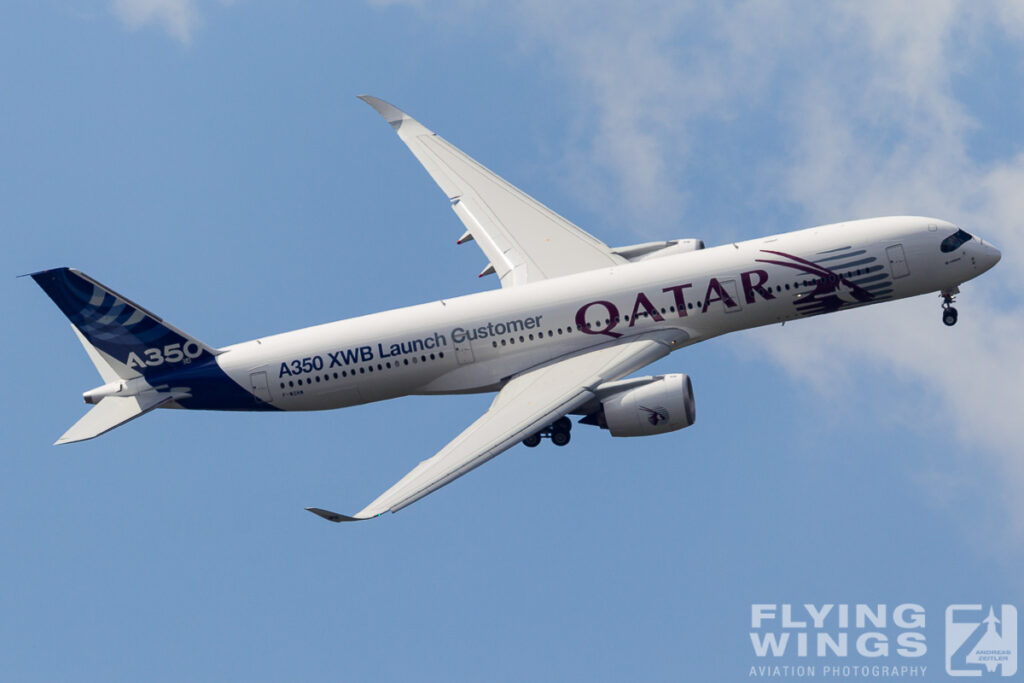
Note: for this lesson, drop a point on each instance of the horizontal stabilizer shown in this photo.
(114, 411)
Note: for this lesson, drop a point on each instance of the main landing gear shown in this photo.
(949, 314)
(557, 432)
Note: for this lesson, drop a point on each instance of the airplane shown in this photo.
(572, 320)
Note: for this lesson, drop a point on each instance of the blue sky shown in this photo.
(211, 161)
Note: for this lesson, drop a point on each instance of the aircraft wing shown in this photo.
(526, 404)
(524, 240)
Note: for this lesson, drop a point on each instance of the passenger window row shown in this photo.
(362, 370)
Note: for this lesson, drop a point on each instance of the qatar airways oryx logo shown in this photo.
(981, 640)
(655, 415)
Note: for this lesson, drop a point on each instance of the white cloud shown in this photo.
(867, 109)
(863, 101)
(179, 18)
(901, 146)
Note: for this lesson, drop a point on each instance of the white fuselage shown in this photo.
(474, 343)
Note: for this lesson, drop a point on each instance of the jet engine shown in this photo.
(664, 404)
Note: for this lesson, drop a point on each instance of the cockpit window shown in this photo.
(954, 241)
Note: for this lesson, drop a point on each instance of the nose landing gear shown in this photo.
(557, 432)
(949, 314)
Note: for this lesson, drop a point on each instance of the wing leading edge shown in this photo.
(527, 403)
(524, 240)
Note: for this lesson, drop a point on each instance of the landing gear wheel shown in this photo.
(532, 441)
(560, 438)
(949, 314)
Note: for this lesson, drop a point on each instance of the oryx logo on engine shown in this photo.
(655, 415)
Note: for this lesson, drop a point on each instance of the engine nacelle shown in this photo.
(663, 405)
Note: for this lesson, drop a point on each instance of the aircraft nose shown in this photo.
(992, 256)
(989, 256)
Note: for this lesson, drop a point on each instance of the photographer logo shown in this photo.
(981, 640)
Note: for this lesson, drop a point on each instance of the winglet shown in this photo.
(390, 112)
(334, 516)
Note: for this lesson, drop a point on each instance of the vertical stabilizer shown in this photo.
(127, 337)
(110, 369)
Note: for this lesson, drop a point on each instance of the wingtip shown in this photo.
(334, 516)
(390, 112)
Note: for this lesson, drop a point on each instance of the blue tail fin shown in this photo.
(118, 327)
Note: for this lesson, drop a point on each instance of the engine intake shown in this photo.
(663, 405)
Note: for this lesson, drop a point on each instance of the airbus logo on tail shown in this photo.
(171, 353)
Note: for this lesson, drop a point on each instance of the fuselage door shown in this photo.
(259, 386)
(464, 352)
(730, 295)
(897, 261)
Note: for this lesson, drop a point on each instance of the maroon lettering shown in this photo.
(677, 291)
(750, 288)
(714, 286)
(613, 319)
(642, 300)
